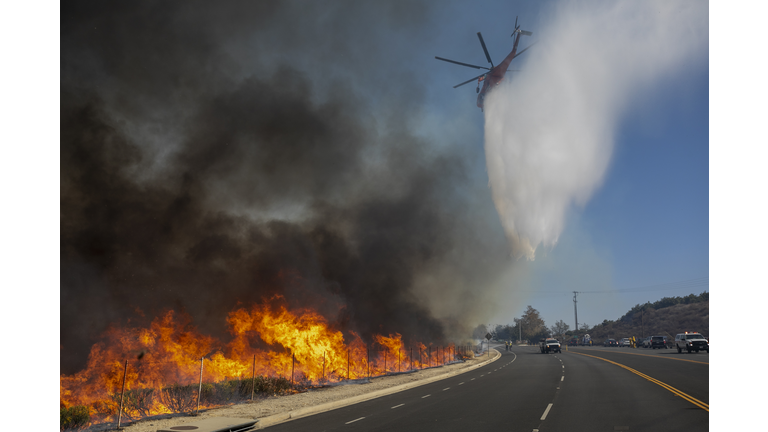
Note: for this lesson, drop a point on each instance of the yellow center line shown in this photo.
(655, 356)
(677, 392)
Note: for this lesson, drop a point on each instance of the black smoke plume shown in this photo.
(204, 165)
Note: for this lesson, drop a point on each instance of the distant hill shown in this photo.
(666, 317)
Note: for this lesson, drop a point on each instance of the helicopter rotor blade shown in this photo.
(526, 48)
(516, 23)
(482, 42)
(467, 81)
(462, 64)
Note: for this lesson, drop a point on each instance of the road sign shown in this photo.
(488, 336)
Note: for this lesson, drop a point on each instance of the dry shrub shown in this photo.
(179, 398)
(139, 401)
(74, 418)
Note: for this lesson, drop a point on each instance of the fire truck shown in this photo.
(586, 340)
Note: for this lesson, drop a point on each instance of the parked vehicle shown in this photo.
(647, 342)
(610, 343)
(659, 342)
(691, 341)
(625, 342)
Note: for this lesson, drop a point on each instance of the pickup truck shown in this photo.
(549, 345)
(691, 342)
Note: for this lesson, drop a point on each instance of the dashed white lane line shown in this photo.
(546, 411)
(447, 388)
(426, 396)
(397, 406)
(472, 379)
(562, 378)
(354, 420)
(461, 383)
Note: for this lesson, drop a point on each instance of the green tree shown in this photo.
(504, 332)
(533, 326)
(560, 328)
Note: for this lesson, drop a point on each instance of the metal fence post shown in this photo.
(200, 388)
(120, 414)
(253, 377)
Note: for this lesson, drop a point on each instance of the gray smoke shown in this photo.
(215, 155)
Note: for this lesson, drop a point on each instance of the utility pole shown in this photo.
(575, 312)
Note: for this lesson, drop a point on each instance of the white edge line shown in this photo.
(546, 411)
(309, 411)
(354, 420)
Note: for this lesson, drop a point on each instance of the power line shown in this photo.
(667, 286)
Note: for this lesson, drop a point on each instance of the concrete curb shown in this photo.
(328, 406)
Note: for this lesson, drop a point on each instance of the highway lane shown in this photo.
(525, 390)
(689, 372)
(636, 389)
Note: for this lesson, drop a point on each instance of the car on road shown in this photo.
(610, 343)
(691, 341)
(624, 342)
(659, 342)
(549, 345)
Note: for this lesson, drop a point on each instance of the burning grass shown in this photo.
(272, 351)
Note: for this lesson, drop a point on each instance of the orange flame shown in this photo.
(301, 345)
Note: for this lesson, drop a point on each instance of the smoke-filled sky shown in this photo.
(215, 154)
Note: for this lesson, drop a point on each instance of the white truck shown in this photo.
(549, 345)
(691, 341)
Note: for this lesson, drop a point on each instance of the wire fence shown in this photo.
(142, 399)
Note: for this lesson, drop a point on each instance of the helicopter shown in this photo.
(495, 74)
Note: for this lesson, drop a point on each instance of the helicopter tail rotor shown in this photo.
(522, 32)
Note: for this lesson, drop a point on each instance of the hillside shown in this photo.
(666, 321)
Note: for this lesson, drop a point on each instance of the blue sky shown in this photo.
(647, 225)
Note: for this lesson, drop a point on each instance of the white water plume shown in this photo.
(549, 130)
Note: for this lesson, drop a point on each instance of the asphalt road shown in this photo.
(582, 389)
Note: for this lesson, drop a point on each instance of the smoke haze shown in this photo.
(549, 131)
(217, 156)
(213, 156)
